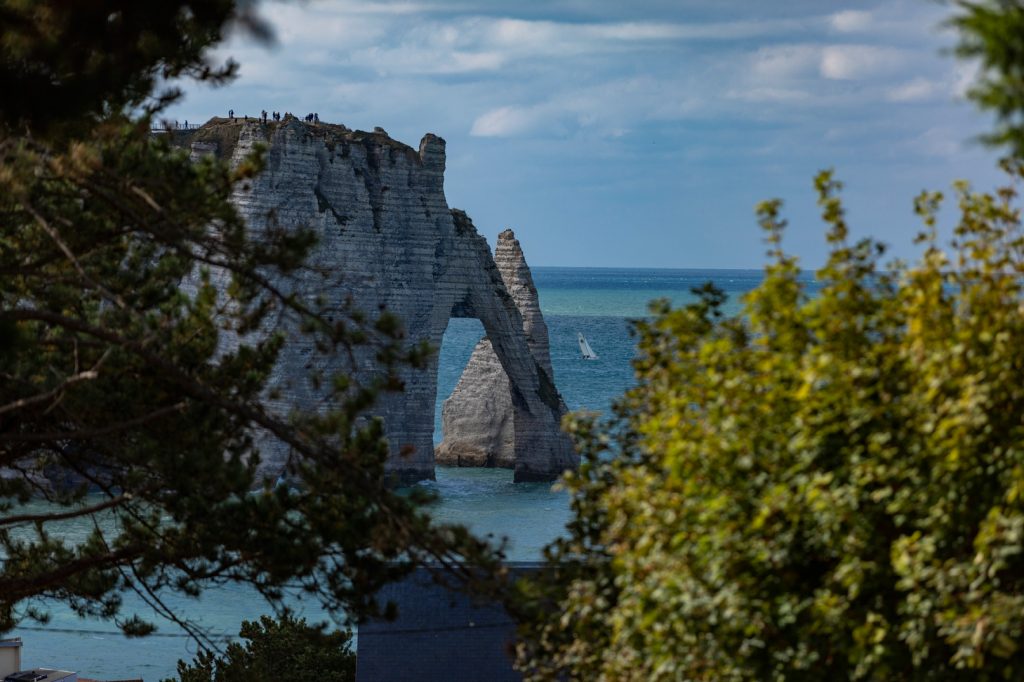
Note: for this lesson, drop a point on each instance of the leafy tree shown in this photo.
(991, 34)
(286, 648)
(828, 486)
(125, 273)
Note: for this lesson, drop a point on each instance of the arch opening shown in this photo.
(457, 344)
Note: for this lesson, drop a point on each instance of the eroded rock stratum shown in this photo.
(385, 228)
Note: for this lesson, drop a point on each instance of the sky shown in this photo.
(641, 133)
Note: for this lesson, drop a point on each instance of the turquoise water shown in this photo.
(597, 302)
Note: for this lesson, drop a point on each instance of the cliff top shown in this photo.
(224, 133)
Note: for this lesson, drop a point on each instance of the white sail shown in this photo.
(585, 350)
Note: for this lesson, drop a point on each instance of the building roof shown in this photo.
(440, 635)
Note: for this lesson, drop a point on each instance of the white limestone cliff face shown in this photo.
(386, 231)
(477, 418)
(515, 273)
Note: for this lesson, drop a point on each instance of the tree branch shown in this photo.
(84, 434)
(87, 375)
(55, 236)
(60, 516)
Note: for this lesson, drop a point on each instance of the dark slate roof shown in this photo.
(440, 635)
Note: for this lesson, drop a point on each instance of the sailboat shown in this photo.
(585, 350)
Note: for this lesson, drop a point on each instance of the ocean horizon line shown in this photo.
(644, 267)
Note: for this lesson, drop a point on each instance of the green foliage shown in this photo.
(133, 395)
(990, 32)
(825, 487)
(284, 649)
(67, 65)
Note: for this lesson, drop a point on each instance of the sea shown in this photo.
(599, 302)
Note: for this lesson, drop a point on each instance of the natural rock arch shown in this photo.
(379, 209)
(477, 419)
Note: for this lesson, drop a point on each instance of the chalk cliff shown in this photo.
(384, 226)
(477, 419)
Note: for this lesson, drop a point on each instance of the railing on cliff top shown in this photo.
(173, 127)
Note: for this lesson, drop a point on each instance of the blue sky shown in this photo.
(641, 133)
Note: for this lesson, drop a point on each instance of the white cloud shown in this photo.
(850, 21)
(724, 31)
(785, 62)
(769, 95)
(552, 36)
(358, 7)
(605, 110)
(795, 76)
(642, 31)
(415, 60)
(854, 62)
(965, 75)
(913, 91)
(939, 141)
(301, 27)
(503, 122)
(403, 38)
